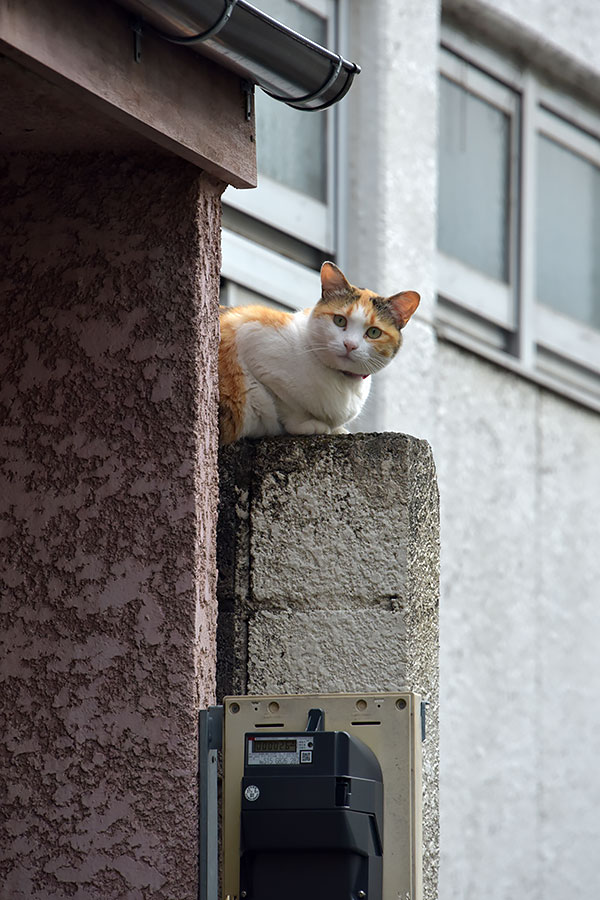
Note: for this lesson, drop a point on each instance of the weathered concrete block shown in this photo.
(328, 555)
(325, 651)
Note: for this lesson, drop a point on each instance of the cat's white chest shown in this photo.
(294, 380)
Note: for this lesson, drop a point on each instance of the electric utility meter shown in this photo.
(311, 817)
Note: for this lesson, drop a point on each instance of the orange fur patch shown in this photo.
(235, 316)
(232, 388)
(232, 382)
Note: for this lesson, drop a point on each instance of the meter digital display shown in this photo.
(271, 750)
(267, 745)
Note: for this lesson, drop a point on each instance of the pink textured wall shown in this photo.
(107, 510)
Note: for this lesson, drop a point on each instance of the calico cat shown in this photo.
(306, 372)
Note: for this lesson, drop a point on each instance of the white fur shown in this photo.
(294, 374)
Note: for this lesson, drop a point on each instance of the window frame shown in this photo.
(457, 280)
(557, 332)
(282, 207)
(273, 275)
(268, 273)
(551, 348)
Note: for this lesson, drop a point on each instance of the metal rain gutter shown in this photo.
(237, 35)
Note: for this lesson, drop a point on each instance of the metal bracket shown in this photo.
(316, 720)
(204, 35)
(248, 89)
(210, 740)
(298, 102)
(214, 29)
(137, 26)
(424, 705)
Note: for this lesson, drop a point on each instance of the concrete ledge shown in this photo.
(328, 556)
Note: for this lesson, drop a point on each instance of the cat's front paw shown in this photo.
(308, 426)
(340, 430)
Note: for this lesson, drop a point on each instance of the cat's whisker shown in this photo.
(379, 363)
(309, 350)
(368, 365)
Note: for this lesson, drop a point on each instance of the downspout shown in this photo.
(286, 65)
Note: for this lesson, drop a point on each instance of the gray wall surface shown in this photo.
(520, 623)
(519, 485)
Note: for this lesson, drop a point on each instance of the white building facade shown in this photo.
(465, 164)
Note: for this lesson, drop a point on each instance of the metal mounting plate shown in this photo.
(389, 723)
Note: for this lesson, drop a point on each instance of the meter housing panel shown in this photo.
(333, 813)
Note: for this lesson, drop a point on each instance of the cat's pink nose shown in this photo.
(350, 346)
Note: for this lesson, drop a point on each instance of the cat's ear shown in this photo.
(333, 280)
(403, 306)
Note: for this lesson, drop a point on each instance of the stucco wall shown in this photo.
(519, 495)
(392, 158)
(546, 28)
(107, 514)
(520, 628)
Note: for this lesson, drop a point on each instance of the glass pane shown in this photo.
(568, 232)
(296, 16)
(474, 181)
(291, 144)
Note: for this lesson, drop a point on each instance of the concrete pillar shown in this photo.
(390, 238)
(328, 552)
(107, 515)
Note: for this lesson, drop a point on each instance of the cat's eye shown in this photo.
(340, 321)
(373, 332)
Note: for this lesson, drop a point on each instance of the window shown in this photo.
(475, 147)
(568, 215)
(301, 166)
(276, 236)
(568, 240)
(519, 219)
(477, 216)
